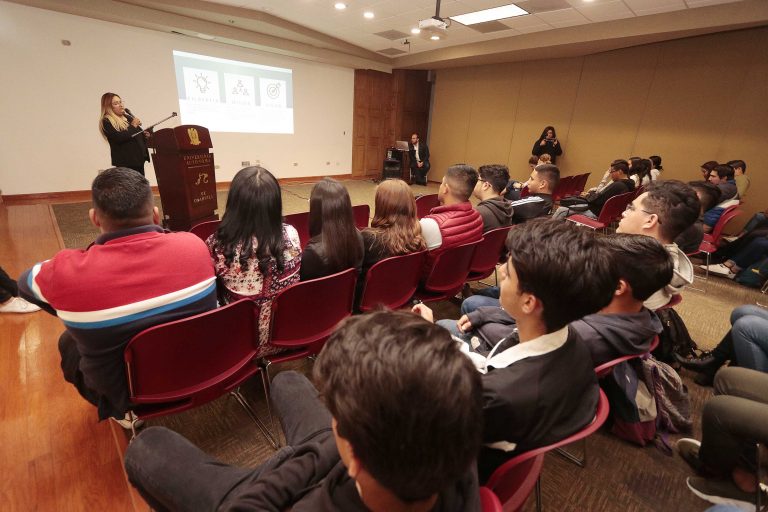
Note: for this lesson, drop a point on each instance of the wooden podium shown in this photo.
(185, 175)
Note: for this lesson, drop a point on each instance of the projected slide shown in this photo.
(231, 96)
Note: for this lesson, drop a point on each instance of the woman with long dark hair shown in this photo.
(656, 168)
(335, 244)
(548, 144)
(395, 228)
(254, 254)
(118, 127)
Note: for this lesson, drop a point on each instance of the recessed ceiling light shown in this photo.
(340, 6)
(435, 38)
(368, 14)
(207, 37)
(496, 13)
(415, 31)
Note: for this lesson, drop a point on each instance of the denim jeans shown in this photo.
(480, 300)
(750, 337)
(173, 474)
(756, 250)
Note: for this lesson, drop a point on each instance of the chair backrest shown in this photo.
(488, 252)
(580, 183)
(391, 282)
(562, 188)
(300, 221)
(607, 367)
(306, 313)
(193, 360)
(489, 502)
(728, 214)
(362, 213)
(614, 207)
(638, 190)
(205, 229)
(425, 203)
(510, 482)
(524, 192)
(450, 268)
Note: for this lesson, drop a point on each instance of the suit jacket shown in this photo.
(423, 155)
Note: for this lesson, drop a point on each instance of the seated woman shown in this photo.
(395, 229)
(335, 244)
(254, 254)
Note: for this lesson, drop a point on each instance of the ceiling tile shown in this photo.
(702, 3)
(562, 15)
(644, 5)
(615, 10)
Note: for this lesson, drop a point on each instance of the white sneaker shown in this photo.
(18, 305)
(128, 420)
(720, 270)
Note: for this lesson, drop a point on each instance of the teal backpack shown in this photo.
(755, 275)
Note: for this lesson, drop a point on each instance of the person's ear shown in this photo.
(530, 303)
(93, 218)
(622, 287)
(155, 215)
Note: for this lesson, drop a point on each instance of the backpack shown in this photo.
(633, 410)
(674, 338)
(673, 405)
(755, 275)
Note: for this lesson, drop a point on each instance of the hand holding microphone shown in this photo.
(135, 121)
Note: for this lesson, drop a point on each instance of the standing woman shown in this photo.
(548, 144)
(118, 126)
(335, 242)
(254, 254)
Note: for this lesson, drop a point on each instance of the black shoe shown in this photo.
(704, 363)
(689, 451)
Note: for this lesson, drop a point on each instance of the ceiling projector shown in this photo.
(434, 26)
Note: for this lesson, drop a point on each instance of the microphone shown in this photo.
(130, 116)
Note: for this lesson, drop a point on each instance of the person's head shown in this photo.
(395, 223)
(492, 180)
(414, 138)
(706, 168)
(656, 161)
(619, 170)
(544, 179)
(739, 167)
(556, 273)
(331, 218)
(533, 161)
(122, 199)
(640, 168)
(111, 104)
(642, 266)
(720, 174)
(548, 133)
(664, 211)
(254, 210)
(406, 404)
(631, 161)
(708, 194)
(458, 183)
(545, 158)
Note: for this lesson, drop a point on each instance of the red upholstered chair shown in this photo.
(425, 203)
(205, 229)
(488, 253)
(563, 186)
(638, 190)
(448, 273)
(524, 192)
(511, 481)
(362, 213)
(305, 314)
(392, 282)
(179, 365)
(607, 367)
(711, 241)
(489, 502)
(612, 210)
(580, 183)
(300, 221)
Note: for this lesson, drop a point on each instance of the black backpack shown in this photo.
(674, 338)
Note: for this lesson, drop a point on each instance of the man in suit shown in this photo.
(419, 156)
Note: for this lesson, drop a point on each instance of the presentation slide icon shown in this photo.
(201, 85)
(273, 92)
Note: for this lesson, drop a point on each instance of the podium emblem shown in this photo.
(194, 137)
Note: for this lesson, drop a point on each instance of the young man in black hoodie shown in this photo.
(620, 184)
(400, 433)
(495, 210)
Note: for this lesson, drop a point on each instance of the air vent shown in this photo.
(392, 35)
(391, 51)
(534, 6)
(489, 26)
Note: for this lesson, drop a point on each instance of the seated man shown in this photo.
(731, 423)
(454, 222)
(623, 327)
(543, 387)
(740, 177)
(512, 190)
(690, 240)
(493, 208)
(594, 201)
(723, 176)
(400, 433)
(543, 180)
(132, 277)
(663, 212)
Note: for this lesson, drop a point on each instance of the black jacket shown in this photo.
(314, 262)
(609, 336)
(126, 151)
(423, 155)
(496, 213)
(549, 147)
(596, 200)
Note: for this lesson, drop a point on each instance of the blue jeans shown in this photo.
(452, 327)
(485, 297)
(750, 337)
(172, 474)
(756, 221)
(756, 250)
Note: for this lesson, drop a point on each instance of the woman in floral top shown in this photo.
(254, 254)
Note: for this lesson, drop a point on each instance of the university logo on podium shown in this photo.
(194, 138)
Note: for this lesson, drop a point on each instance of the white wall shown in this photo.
(49, 102)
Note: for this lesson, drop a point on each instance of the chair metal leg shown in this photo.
(264, 430)
(538, 494)
(758, 502)
(581, 462)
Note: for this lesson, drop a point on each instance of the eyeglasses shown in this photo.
(631, 208)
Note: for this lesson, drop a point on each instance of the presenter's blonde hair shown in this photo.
(118, 123)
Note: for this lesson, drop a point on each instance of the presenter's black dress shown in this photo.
(126, 151)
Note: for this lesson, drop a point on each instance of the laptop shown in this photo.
(402, 145)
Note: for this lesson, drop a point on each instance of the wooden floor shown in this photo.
(55, 456)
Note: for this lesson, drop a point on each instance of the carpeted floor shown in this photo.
(619, 476)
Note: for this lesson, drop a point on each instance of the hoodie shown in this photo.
(681, 276)
(609, 336)
(496, 213)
